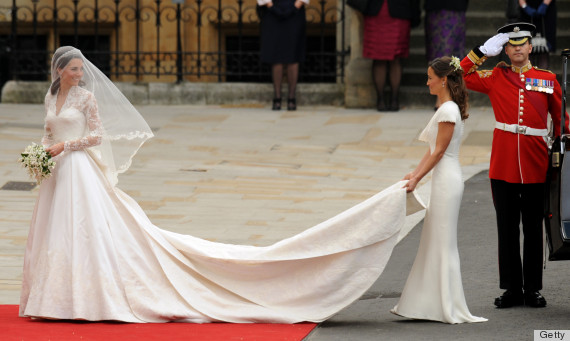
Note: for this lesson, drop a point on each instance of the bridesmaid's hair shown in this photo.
(442, 67)
(62, 58)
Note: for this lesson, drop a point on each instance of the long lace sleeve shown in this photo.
(47, 139)
(95, 135)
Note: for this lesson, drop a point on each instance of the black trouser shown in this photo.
(513, 201)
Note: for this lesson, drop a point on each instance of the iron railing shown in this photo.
(166, 40)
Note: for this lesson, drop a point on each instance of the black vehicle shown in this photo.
(558, 199)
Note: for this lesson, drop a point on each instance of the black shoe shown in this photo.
(380, 105)
(394, 106)
(291, 104)
(509, 299)
(534, 299)
(276, 104)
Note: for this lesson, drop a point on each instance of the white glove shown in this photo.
(494, 45)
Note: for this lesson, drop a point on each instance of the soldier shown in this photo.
(522, 96)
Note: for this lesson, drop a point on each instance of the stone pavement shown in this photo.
(244, 175)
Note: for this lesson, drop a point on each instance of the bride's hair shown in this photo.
(59, 61)
(447, 66)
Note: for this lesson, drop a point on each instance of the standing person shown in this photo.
(283, 39)
(434, 290)
(387, 41)
(522, 96)
(445, 29)
(93, 254)
(543, 14)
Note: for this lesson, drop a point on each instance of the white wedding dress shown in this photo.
(434, 290)
(93, 254)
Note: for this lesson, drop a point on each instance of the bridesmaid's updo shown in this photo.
(448, 66)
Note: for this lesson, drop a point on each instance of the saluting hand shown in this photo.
(494, 45)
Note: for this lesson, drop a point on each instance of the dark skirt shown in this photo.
(545, 25)
(445, 34)
(385, 38)
(283, 33)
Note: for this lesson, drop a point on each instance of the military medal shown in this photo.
(550, 89)
(540, 85)
(528, 85)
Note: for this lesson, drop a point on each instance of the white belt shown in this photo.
(518, 129)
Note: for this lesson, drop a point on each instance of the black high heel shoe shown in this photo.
(276, 104)
(291, 104)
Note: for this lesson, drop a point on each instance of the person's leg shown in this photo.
(506, 199)
(277, 77)
(292, 78)
(532, 199)
(395, 80)
(379, 71)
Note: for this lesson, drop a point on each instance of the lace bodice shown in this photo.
(447, 112)
(77, 123)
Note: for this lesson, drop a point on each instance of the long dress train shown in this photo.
(434, 290)
(93, 254)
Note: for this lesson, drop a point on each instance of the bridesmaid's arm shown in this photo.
(444, 134)
(419, 166)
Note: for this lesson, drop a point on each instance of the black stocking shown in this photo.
(379, 69)
(395, 79)
(292, 77)
(277, 77)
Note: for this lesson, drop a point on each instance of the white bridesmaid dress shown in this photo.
(434, 290)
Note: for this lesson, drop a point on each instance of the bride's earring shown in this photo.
(443, 85)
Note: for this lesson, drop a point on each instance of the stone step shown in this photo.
(494, 5)
(482, 5)
(419, 96)
(563, 6)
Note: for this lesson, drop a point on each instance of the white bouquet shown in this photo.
(37, 161)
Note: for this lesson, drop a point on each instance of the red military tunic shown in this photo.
(517, 158)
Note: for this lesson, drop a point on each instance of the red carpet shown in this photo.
(13, 327)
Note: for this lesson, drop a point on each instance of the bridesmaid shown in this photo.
(434, 290)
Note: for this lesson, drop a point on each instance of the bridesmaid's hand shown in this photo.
(56, 149)
(410, 186)
(408, 176)
(299, 4)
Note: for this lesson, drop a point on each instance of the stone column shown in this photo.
(359, 88)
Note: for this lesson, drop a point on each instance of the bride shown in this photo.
(92, 253)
